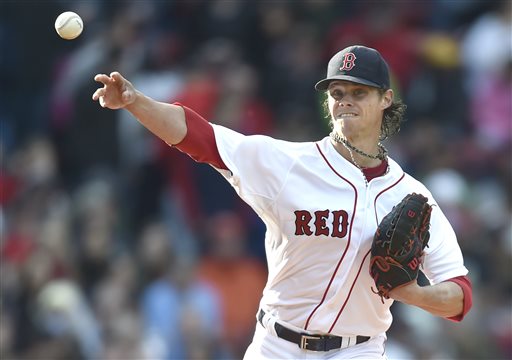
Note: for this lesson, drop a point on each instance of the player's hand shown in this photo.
(116, 93)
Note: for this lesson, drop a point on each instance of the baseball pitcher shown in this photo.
(347, 229)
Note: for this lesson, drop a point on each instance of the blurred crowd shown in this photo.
(114, 246)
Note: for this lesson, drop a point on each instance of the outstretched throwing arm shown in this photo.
(166, 121)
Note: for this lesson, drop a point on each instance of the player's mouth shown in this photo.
(346, 115)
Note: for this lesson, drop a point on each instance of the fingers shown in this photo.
(116, 91)
(116, 76)
(98, 93)
(109, 79)
(102, 101)
(102, 78)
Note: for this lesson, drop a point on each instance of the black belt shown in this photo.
(307, 341)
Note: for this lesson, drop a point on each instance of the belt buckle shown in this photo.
(304, 341)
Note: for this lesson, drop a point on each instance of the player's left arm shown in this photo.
(450, 299)
(449, 293)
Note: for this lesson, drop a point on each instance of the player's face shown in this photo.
(357, 109)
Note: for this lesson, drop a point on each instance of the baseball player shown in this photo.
(321, 202)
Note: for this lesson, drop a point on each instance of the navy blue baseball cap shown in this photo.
(358, 64)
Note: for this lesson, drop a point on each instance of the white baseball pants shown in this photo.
(266, 345)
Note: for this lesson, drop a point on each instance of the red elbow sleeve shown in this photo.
(199, 142)
(467, 289)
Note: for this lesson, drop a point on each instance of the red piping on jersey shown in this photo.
(382, 192)
(350, 292)
(348, 240)
(364, 259)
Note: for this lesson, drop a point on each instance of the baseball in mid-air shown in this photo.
(69, 25)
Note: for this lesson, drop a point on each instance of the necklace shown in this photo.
(355, 163)
(383, 153)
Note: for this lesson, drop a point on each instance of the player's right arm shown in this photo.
(175, 124)
(167, 121)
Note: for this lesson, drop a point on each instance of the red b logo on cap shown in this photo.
(348, 61)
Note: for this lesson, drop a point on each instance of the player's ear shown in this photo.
(387, 99)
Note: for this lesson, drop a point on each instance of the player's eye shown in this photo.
(336, 95)
(359, 92)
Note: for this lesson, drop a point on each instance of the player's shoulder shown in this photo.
(268, 151)
(277, 142)
(410, 183)
(266, 143)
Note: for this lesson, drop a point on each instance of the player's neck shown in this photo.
(362, 161)
(364, 154)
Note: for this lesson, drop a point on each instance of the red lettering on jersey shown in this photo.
(349, 61)
(320, 224)
(302, 218)
(339, 223)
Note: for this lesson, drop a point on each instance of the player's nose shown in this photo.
(345, 101)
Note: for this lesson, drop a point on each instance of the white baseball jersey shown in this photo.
(321, 217)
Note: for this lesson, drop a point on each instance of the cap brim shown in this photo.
(324, 84)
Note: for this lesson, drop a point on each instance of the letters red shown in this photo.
(319, 226)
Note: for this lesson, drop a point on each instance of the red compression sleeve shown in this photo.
(465, 284)
(199, 142)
